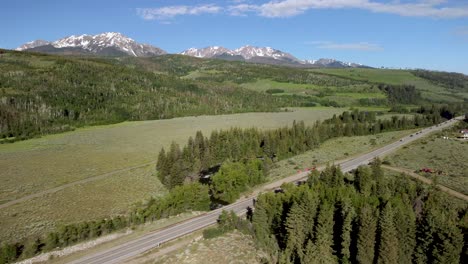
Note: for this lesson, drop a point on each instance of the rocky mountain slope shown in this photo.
(110, 43)
(116, 44)
(264, 55)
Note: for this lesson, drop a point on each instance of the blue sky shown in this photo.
(430, 34)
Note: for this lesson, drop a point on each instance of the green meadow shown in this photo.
(37, 165)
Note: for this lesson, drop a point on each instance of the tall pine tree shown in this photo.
(388, 243)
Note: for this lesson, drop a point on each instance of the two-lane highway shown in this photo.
(119, 254)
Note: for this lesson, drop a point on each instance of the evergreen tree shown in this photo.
(176, 173)
(377, 170)
(162, 166)
(347, 217)
(449, 244)
(366, 235)
(424, 237)
(299, 226)
(332, 176)
(388, 244)
(363, 180)
(405, 223)
(322, 248)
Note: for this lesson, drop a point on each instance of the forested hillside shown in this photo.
(451, 80)
(42, 94)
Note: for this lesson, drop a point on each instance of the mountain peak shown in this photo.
(264, 55)
(102, 43)
(33, 44)
(247, 52)
(207, 52)
(117, 44)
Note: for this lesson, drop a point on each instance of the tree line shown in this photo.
(177, 165)
(401, 94)
(451, 80)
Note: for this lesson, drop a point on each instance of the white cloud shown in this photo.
(241, 10)
(168, 12)
(427, 8)
(289, 8)
(359, 46)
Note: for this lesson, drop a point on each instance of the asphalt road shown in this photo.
(119, 254)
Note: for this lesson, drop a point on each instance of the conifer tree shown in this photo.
(299, 226)
(405, 222)
(449, 244)
(363, 180)
(322, 249)
(332, 176)
(424, 237)
(377, 170)
(388, 243)
(161, 165)
(366, 235)
(347, 214)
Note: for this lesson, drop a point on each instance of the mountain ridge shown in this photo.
(117, 44)
(108, 43)
(264, 55)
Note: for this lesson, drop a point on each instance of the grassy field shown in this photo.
(234, 247)
(348, 95)
(362, 95)
(40, 164)
(263, 85)
(334, 150)
(446, 155)
(372, 75)
(428, 90)
(94, 200)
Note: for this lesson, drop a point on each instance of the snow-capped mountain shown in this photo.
(332, 63)
(105, 43)
(246, 52)
(264, 55)
(33, 44)
(116, 44)
(208, 52)
(249, 52)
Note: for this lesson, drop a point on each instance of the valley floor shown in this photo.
(94, 161)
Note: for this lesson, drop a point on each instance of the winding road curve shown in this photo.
(120, 253)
